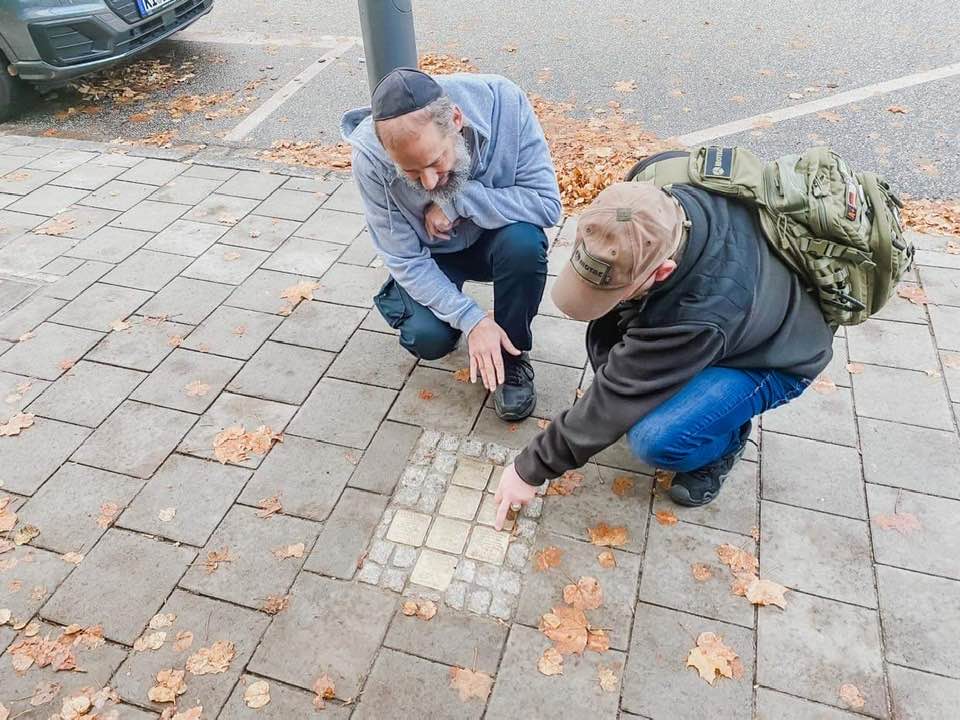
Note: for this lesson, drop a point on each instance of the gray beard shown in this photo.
(456, 178)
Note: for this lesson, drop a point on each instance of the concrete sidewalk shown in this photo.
(142, 314)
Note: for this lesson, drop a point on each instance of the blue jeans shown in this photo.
(702, 422)
(513, 257)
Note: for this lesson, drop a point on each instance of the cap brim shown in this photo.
(578, 299)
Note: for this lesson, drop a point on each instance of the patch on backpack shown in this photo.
(718, 163)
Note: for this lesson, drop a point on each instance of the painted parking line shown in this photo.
(254, 119)
(844, 98)
(250, 38)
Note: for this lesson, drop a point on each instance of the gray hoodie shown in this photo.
(511, 180)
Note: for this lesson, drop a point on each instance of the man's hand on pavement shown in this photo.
(512, 491)
(437, 223)
(484, 343)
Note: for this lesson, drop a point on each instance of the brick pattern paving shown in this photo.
(389, 492)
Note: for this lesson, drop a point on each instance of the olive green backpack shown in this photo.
(838, 229)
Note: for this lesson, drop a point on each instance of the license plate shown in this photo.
(149, 7)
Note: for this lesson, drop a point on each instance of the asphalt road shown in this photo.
(695, 65)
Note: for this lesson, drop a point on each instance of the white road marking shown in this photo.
(250, 38)
(844, 98)
(255, 118)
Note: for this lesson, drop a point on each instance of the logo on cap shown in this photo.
(592, 269)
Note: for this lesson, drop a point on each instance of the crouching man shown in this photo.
(696, 327)
(457, 184)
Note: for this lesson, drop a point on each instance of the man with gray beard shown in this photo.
(457, 184)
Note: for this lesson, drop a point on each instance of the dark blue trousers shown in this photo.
(513, 257)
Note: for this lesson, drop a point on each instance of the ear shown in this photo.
(664, 271)
(457, 118)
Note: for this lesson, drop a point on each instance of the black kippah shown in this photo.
(403, 91)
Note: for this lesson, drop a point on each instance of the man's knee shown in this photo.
(427, 337)
(522, 247)
(656, 446)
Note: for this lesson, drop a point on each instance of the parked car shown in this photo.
(48, 42)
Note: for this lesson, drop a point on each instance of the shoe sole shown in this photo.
(681, 496)
(515, 415)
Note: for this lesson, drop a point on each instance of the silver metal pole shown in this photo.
(388, 38)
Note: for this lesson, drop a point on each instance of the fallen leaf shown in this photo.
(741, 581)
(713, 659)
(470, 683)
(609, 680)
(597, 640)
(824, 385)
(622, 486)
(701, 572)
(196, 389)
(425, 394)
(162, 620)
(567, 628)
(551, 662)
(898, 109)
(666, 517)
(57, 226)
(212, 660)
(325, 690)
(914, 294)
(240, 330)
(854, 368)
(579, 393)
(625, 86)
(566, 484)
(951, 361)
(903, 523)
(268, 506)
(175, 341)
(585, 595)
(25, 534)
(275, 604)
(257, 694)
(13, 426)
(166, 514)
(607, 560)
(193, 713)
(45, 692)
(662, 479)
(214, 558)
(829, 116)
(150, 641)
(462, 375)
(120, 325)
(423, 609)
(234, 444)
(548, 557)
(605, 535)
(303, 290)
(738, 560)
(289, 551)
(952, 248)
(72, 557)
(766, 592)
(66, 364)
(169, 684)
(851, 695)
(108, 513)
(543, 423)
(26, 336)
(184, 641)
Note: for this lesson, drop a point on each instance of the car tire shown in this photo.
(11, 94)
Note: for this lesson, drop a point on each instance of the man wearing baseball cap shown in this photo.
(457, 184)
(695, 327)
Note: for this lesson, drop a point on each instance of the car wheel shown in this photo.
(11, 94)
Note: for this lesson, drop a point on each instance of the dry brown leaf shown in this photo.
(914, 294)
(741, 581)
(240, 330)
(169, 684)
(162, 620)
(214, 558)
(439, 64)
(26, 336)
(903, 523)
(766, 592)
(585, 595)
(462, 375)
(66, 364)
(666, 517)
(303, 290)
(184, 641)
(739, 561)
(829, 116)
(609, 680)
(309, 154)
(193, 713)
(607, 536)
(13, 426)
(898, 109)
(622, 486)
(543, 423)
(324, 690)
(662, 479)
(567, 628)
(471, 684)
(257, 694)
(269, 506)
(5, 615)
(57, 226)
(551, 662)
(212, 660)
(45, 692)
(119, 325)
(824, 385)
(196, 389)
(234, 444)
(854, 368)
(713, 659)
(72, 557)
(548, 557)
(423, 609)
(25, 534)
(175, 341)
(851, 696)
(566, 484)
(701, 572)
(290, 551)
(607, 560)
(597, 640)
(150, 641)
(425, 394)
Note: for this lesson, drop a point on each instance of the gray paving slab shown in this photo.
(916, 695)
(62, 266)
(385, 458)
(12, 292)
(77, 222)
(290, 204)
(61, 160)
(772, 705)
(435, 399)
(88, 176)
(594, 500)
(895, 344)
(285, 373)
(109, 245)
(543, 590)
(360, 251)
(324, 186)
(100, 305)
(256, 185)
(827, 417)
(37, 452)
(41, 355)
(69, 287)
(285, 702)
(946, 326)
(135, 439)
(200, 492)
(186, 300)
(903, 396)
(735, 509)
(913, 635)
(208, 171)
(300, 255)
(320, 325)
(263, 289)
(374, 359)
(232, 332)
(522, 690)
(668, 579)
(902, 310)
(332, 226)
(22, 180)
(221, 209)
(229, 410)
(118, 195)
(307, 476)
(815, 475)
(30, 252)
(14, 224)
(143, 346)
(559, 341)
(27, 315)
(450, 637)
(186, 190)
(147, 270)
(346, 198)
(911, 457)
(187, 380)
(225, 264)
(185, 237)
(109, 158)
(321, 607)
(87, 393)
(47, 200)
(154, 172)
(933, 547)
(147, 569)
(18, 391)
(405, 686)
(67, 506)
(829, 644)
(253, 572)
(342, 541)
(322, 416)
(260, 233)
(150, 215)
(350, 285)
(33, 575)
(941, 284)
(209, 621)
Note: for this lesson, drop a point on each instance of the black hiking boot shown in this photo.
(517, 397)
(701, 486)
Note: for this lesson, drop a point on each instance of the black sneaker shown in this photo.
(517, 397)
(700, 486)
